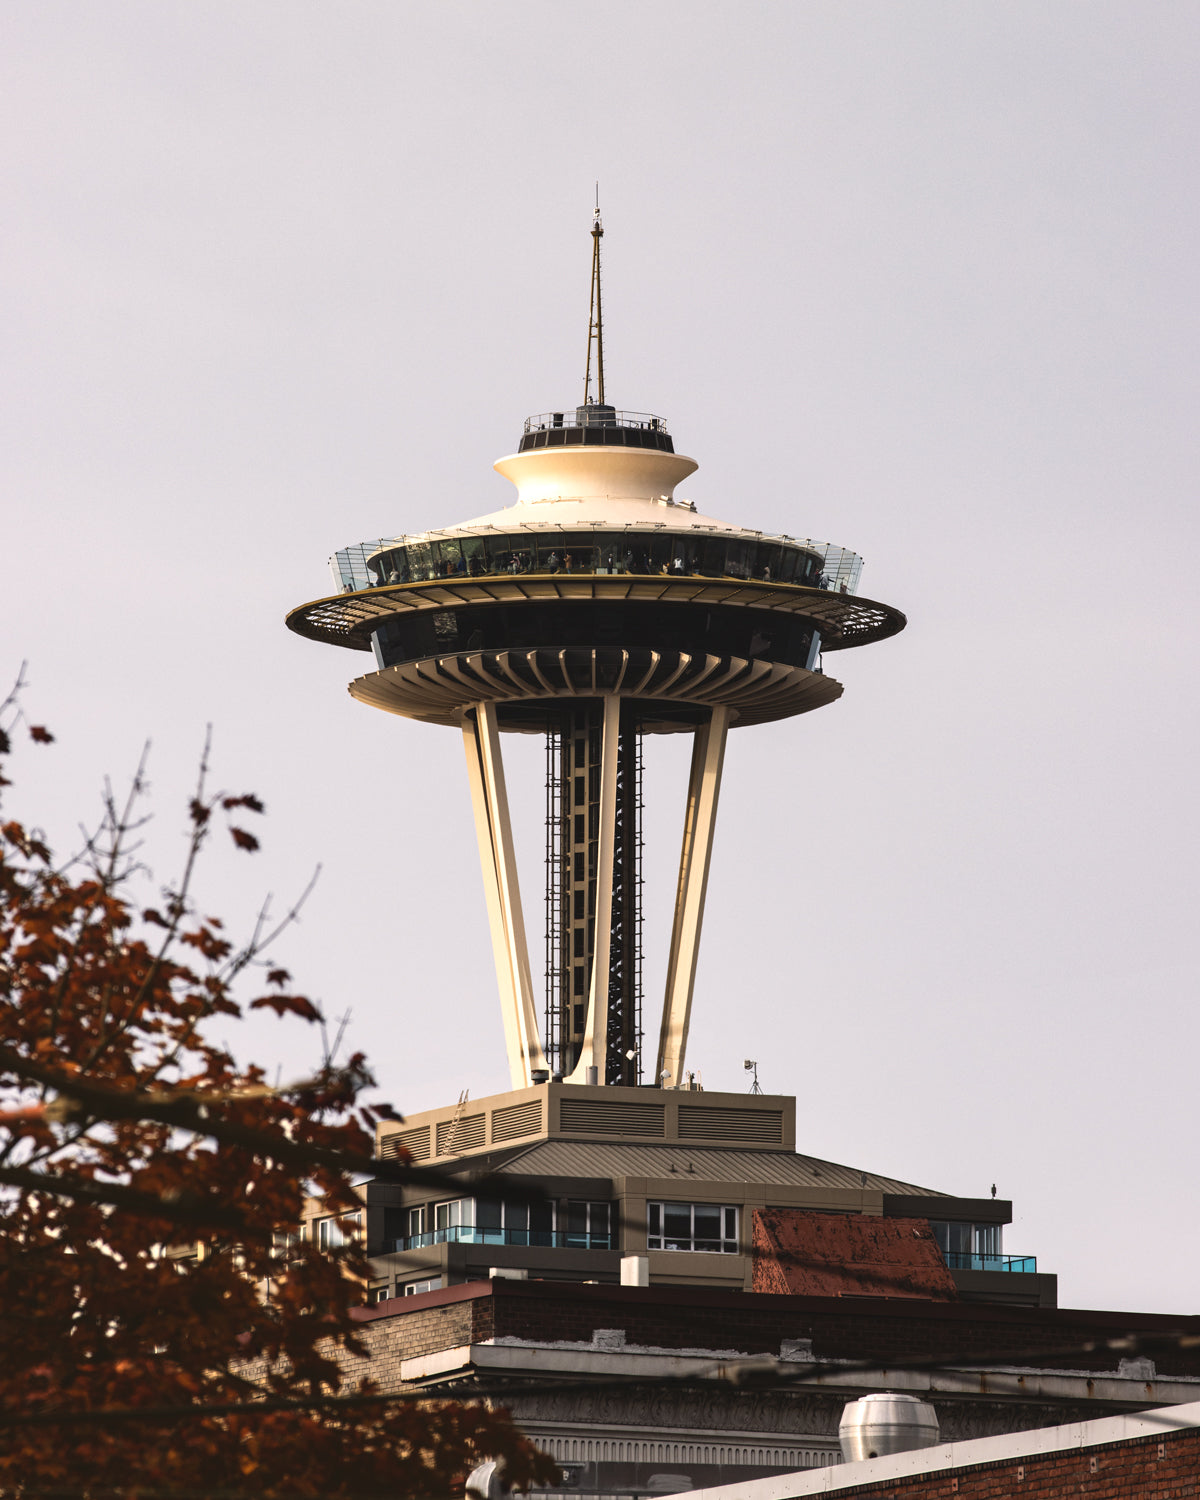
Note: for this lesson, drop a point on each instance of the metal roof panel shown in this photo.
(616, 1159)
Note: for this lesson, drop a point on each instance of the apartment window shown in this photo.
(692, 1226)
(332, 1234)
(488, 1221)
(514, 1223)
(285, 1242)
(958, 1238)
(378, 1294)
(457, 1214)
(588, 1226)
(418, 1220)
(430, 1284)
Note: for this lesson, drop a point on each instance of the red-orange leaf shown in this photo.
(248, 800)
(295, 1005)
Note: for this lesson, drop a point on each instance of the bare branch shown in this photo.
(179, 1208)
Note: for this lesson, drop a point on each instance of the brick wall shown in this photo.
(841, 1328)
(407, 1327)
(1153, 1468)
(881, 1329)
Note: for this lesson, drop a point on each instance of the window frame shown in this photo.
(968, 1237)
(585, 1239)
(457, 1220)
(332, 1225)
(657, 1238)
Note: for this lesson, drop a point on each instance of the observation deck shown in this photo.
(594, 609)
(599, 426)
(437, 570)
(572, 593)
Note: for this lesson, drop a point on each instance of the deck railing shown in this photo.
(594, 416)
(971, 1260)
(550, 549)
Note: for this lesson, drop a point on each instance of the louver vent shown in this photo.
(457, 1136)
(416, 1140)
(598, 1118)
(516, 1119)
(699, 1122)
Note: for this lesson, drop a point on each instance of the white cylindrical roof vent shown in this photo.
(873, 1426)
(487, 1482)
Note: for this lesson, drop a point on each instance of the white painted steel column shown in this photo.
(485, 770)
(704, 785)
(594, 1051)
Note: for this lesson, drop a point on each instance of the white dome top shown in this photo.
(595, 486)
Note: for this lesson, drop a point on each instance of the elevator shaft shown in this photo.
(574, 879)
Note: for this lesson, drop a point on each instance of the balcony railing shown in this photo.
(471, 1234)
(970, 1260)
(594, 416)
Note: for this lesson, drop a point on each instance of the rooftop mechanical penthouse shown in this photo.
(594, 610)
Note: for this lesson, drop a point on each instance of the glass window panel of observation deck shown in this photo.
(660, 553)
(420, 561)
(739, 557)
(549, 552)
(582, 554)
(474, 556)
(498, 552)
(812, 569)
(711, 556)
(768, 561)
(394, 566)
(791, 564)
(518, 555)
(683, 555)
(447, 558)
(610, 554)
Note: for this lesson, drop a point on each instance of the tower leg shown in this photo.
(485, 769)
(594, 1052)
(708, 757)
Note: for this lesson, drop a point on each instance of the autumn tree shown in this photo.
(126, 1130)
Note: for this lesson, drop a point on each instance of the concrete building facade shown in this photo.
(625, 1384)
(601, 1174)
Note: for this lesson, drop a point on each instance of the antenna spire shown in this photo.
(595, 316)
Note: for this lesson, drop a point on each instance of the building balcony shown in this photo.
(971, 1260)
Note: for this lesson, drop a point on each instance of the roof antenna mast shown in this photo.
(596, 316)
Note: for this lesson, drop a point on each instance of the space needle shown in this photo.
(594, 610)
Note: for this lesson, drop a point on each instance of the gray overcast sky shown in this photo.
(919, 279)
